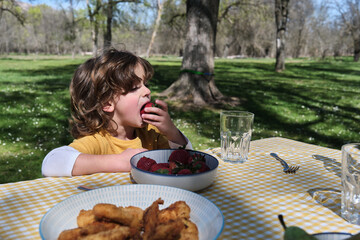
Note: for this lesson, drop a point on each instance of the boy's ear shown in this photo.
(108, 107)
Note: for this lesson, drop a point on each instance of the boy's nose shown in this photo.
(147, 91)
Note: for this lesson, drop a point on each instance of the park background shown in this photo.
(315, 99)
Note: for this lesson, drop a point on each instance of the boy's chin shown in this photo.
(143, 124)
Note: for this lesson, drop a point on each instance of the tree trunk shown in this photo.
(156, 27)
(107, 32)
(109, 9)
(356, 49)
(299, 43)
(281, 16)
(72, 36)
(196, 81)
(94, 36)
(95, 24)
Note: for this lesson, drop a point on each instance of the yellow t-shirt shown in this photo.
(103, 143)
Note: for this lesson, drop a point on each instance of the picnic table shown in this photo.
(250, 195)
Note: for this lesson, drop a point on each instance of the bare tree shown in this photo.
(349, 11)
(109, 8)
(159, 6)
(71, 26)
(172, 29)
(94, 15)
(196, 82)
(245, 28)
(281, 18)
(301, 12)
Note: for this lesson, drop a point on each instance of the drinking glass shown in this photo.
(235, 135)
(350, 182)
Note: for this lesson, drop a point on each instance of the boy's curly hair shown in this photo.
(98, 81)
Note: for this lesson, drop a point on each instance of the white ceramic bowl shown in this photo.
(193, 182)
(332, 235)
(205, 214)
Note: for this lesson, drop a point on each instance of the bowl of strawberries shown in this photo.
(186, 169)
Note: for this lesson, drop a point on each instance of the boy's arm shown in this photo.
(90, 163)
(175, 145)
(67, 161)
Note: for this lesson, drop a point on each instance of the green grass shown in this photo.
(312, 101)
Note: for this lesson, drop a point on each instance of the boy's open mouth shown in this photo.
(148, 104)
(142, 108)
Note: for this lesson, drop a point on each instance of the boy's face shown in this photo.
(127, 107)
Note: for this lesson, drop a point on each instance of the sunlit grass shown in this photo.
(312, 101)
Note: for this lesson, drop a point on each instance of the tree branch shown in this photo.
(19, 17)
(171, 21)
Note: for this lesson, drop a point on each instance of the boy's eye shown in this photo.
(134, 88)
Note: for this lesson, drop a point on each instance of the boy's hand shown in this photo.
(126, 155)
(160, 118)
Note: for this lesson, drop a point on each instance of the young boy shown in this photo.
(107, 96)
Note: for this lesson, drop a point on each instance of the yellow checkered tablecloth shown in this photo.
(250, 195)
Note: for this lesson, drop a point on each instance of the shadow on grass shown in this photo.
(311, 102)
(299, 91)
(33, 120)
(49, 78)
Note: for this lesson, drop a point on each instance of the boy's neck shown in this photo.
(128, 133)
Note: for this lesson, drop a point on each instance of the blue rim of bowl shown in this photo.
(332, 233)
(129, 186)
(174, 175)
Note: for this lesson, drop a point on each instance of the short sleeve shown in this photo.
(59, 162)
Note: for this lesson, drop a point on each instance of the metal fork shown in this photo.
(287, 168)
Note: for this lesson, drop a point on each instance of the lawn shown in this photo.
(312, 101)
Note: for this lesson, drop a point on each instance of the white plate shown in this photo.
(205, 214)
(332, 236)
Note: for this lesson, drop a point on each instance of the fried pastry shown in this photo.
(85, 217)
(120, 233)
(107, 221)
(190, 231)
(76, 233)
(151, 219)
(168, 231)
(176, 210)
(128, 216)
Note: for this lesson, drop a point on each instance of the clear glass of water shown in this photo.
(350, 182)
(235, 135)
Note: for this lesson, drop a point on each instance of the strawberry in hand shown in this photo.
(149, 104)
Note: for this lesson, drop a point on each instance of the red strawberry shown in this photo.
(180, 156)
(184, 171)
(200, 166)
(197, 157)
(175, 167)
(172, 165)
(165, 171)
(149, 104)
(145, 163)
(158, 166)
